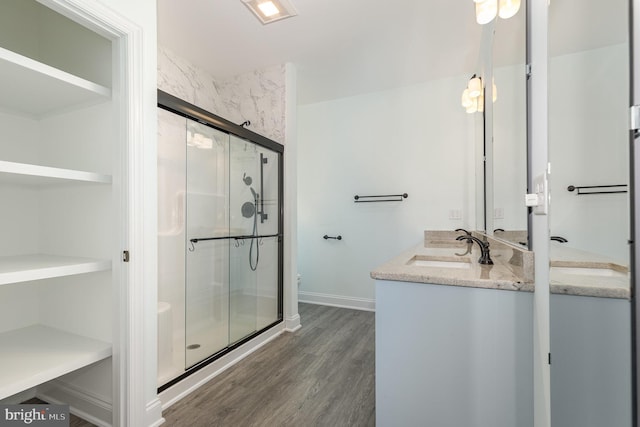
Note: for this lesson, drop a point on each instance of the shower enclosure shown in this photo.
(219, 237)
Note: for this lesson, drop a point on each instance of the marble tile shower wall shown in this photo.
(257, 96)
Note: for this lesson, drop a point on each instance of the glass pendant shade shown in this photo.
(486, 11)
(466, 99)
(508, 8)
(473, 107)
(475, 87)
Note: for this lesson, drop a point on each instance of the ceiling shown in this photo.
(347, 47)
(340, 47)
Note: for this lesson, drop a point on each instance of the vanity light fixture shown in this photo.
(472, 95)
(268, 11)
(486, 10)
(466, 99)
(475, 86)
(508, 8)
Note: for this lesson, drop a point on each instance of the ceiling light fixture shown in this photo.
(268, 11)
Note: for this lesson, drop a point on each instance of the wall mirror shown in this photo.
(588, 122)
(588, 84)
(506, 213)
(502, 131)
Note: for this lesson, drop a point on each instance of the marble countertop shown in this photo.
(507, 273)
(572, 271)
(608, 279)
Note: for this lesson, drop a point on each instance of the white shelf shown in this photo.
(23, 268)
(36, 89)
(22, 173)
(36, 354)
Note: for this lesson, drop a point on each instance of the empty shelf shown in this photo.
(23, 173)
(23, 268)
(36, 89)
(36, 354)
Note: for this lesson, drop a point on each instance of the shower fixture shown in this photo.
(253, 209)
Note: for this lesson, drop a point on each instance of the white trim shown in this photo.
(292, 323)
(290, 197)
(135, 308)
(354, 303)
(206, 374)
(82, 403)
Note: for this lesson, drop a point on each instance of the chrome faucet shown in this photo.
(485, 257)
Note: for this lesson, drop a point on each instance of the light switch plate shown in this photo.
(541, 188)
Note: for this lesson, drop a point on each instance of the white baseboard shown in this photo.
(196, 380)
(154, 413)
(337, 301)
(82, 403)
(292, 324)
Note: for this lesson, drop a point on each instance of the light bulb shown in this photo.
(473, 107)
(486, 11)
(475, 87)
(508, 8)
(268, 8)
(466, 100)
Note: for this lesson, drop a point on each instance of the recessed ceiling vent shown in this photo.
(268, 11)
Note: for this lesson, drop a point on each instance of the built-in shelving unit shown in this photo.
(37, 89)
(23, 268)
(37, 353)
(21, 173)
(58, 146)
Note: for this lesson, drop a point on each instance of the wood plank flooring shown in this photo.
(321, 375)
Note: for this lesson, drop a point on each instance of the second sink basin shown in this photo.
(588, 271)
(439, 262)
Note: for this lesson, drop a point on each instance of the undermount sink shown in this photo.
(588, 271)
(439, 262)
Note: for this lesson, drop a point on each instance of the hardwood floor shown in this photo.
(321, 375)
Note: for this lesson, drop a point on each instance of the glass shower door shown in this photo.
(207, 261)
(254, 216)
(219, 238)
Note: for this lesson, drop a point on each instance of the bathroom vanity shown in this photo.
(590, 339)
(454, 339)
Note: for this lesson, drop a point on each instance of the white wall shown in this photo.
(588, 144)
(416, 139)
